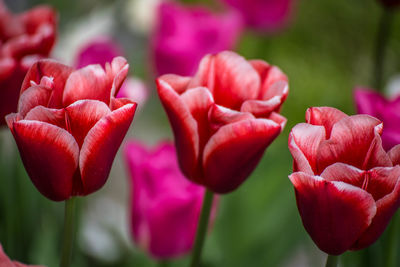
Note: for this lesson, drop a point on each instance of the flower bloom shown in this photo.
(165, 207)
(24, 38)
(6, 262)
(183, 35)
(103, 50)
(267, 15)
(347, 187)
(69, 125)
(224, 117)
(372, 103)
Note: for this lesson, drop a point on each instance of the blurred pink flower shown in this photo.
(165, 206)
(24, 38)
(388, 111)
(102, 50)
(184, 34)
(6, 262)
(266, 15)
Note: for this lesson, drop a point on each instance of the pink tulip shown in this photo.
(224, 117)
(184, 34)
(266, 15)
(24, 38)
(372, 103)
(165, 207)
(6, 262)
(347, 187)
(103, 50)
(69, 125)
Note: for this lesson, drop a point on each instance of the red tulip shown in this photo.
(69, 125)
(6, 262)
(24, 38)
(224, 117)
(347, 187)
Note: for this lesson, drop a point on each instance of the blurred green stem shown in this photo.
(393, 244)
(68, 234)
(332, 261)
(382, 38)
(202, 228)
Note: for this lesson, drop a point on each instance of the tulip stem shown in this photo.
(68, 233)
(202, 228)
(332, 261)
(382, 38)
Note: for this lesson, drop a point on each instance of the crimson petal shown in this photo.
(334, 214)
(50, 155)
(233, 152)
(100, 146)
(325, 116)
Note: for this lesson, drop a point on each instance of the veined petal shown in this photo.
(386, 206)
(178, 83)
(261, 108)
(53, 116)
(119, 70)
(36, 95)
(219, 116)
(325, 116)
(304, 142)
(100, 146)
(233, 152)
(335, 214)
(82, 115)
(394, 155)
(184, 127)
(50, 156)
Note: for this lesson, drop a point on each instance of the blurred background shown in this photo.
(325, 48)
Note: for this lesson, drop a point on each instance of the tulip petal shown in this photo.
(368, 102)
(334, 214)
(325, 116)
(219, 116)
(119, 70)
(386, 206)
(261, 108)
(184, 127)
(50, 68)
(53, 116)
(304, 141)
(354, 140)
(36, 95)
(394, 155)
(233, 152)
(82, 115)
(100, 146)
(50, 156)
(178, 83)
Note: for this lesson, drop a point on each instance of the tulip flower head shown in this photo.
(24, 38)
(183, 35)
(69, 125)
(372, 103)
(6, 262)
(224, 117)
(263, 15)
(347, 187)
(165, 207)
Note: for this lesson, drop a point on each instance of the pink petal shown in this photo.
(234, 151)
(36, 95)
(261, 108)
(82, 115)
(278, 118)
(394, 155)
(184, 127)
(219, 116)
(100, 146)
(354, 140)
(368, 101)
(335, 214)
(119, 70)
(7, 67)
(37, 17)
(116, 103)
(53, 116)
(205, 75)
(325, 116)
(304, 141)
(178, 83)
(50, 68)
(50, 156)
(386, 206)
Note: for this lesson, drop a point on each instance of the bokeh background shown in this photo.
(326, 49)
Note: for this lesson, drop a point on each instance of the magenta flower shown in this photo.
(388, 111)
(165, 206)
(103, 50)
(266, 15)
(183, 35)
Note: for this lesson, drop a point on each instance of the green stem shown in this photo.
(202, 228)
(382, 38)
(68, 234)
(332, 261)
(393, 243)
